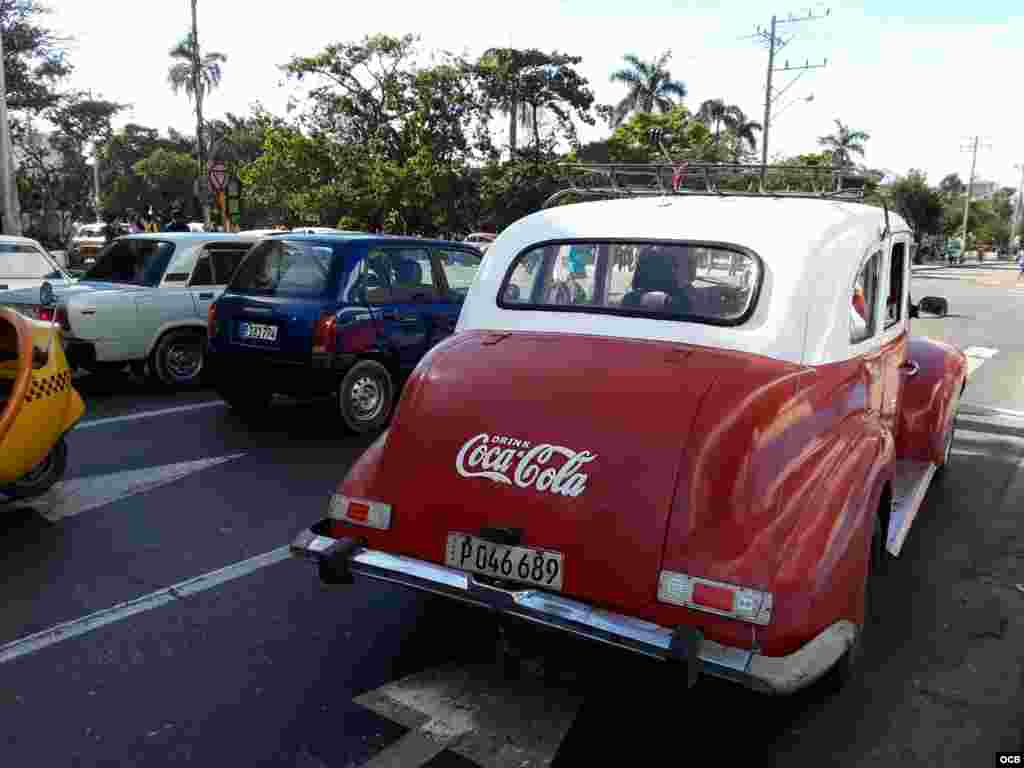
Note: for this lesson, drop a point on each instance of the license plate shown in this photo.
(257, 331)
(502, 561)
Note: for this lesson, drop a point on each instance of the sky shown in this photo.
(922, 77)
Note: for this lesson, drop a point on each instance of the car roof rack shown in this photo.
(616, 180)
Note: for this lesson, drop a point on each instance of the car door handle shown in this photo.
(910, 368)
(205, 295)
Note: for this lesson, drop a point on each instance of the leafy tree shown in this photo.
(844, 143)
(952, 185)
(685, 139)
(650, 86)
(918, 204)
(34, 57)
(122, 188)
(168, 176)
(526, 84)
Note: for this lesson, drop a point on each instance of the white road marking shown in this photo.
(76, 627)
(149, 414)
(68, 498)
(977, 357)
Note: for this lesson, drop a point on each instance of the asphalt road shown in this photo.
(260, 665)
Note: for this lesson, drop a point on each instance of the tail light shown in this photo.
(373, 514)
(323, 335)
(211, 320)
(61, 318)
(718, 597)
(45, 314)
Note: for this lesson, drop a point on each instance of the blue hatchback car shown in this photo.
(347, 316)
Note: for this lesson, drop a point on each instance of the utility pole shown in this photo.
(970, 189)
(197, 87)
(1018, 206)
(775, 44)
(11, 206)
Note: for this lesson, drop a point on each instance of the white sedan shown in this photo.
(144, 303)
(24, 263)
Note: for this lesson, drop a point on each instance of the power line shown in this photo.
(776, 43)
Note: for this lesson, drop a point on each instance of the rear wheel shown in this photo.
(366, 396)
(42, 476)
(178, 357)
(849, 667)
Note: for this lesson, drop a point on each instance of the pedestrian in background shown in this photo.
(177, 223)
(1020, 264)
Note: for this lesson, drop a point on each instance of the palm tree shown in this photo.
(182, 74)
(650, 86)
(844, 143)
(197, 74)
(744, 130)
(715, 113)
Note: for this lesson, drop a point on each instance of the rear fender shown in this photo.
(175, 325)
(930, 399)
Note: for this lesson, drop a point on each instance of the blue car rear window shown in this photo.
(281, 267)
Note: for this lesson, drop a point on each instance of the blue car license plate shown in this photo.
(257, 332)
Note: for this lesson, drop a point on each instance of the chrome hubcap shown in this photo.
(184, 359)
(366, 398)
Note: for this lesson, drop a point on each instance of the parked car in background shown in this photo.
(87, 241)
(25, 264)
(481, 240)
(346, 316)
(144, 303)
(701, 446)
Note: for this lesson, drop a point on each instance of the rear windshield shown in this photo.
(137, 262)
(281, 267)
(685, 281)
(20, 260)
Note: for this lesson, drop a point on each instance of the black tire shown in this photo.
(365, 397)
(849, 667)
(948, 448)
(41, 477)
(178, 358)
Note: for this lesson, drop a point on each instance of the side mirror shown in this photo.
(934, 305)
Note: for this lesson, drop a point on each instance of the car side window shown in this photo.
(864, 300)
(373, 286)
(225, 260)
(412, 275)
(203, 273)
(459, 268)
(894, 301)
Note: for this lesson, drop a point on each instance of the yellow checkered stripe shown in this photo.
(48, 386)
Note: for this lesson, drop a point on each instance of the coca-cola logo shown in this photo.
(510, 461)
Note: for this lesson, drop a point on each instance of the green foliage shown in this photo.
(34, 57)
(921, 206)
(651, 87)
(168, 176)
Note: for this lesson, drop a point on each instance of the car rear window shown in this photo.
(19, 260)
(281, 267)
(137, 262)
(700, 282)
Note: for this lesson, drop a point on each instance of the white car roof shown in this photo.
(811, 250)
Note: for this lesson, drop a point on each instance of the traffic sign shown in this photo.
(217, 176)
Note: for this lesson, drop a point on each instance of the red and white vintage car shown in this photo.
(689, 425)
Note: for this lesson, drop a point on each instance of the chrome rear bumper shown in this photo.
(342, 558)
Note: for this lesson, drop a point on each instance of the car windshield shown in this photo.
(20, 260)
(136, 262)
(684, 281)
(281, 267)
